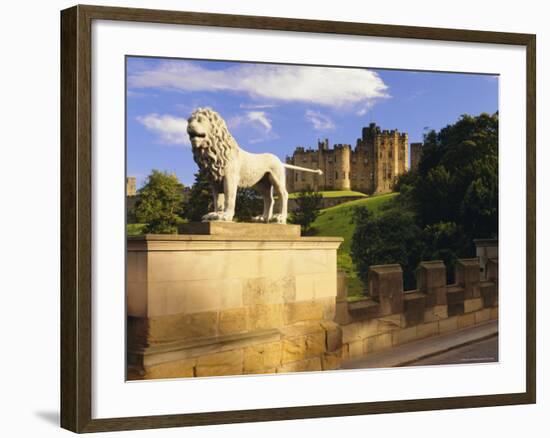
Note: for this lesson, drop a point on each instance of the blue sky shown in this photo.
(274, 108)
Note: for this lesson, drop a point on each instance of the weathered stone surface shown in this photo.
(226, 363)
(233, 321)
(435, 313)
(482, 315)
(494, 313)
(268, 290)
(431, 278)
(467, 275)
(389, 323)
(386, 286)
(262, 357)
(356, 348)
(404, 335)
(331, 360)
(473, 304)
(359, 330)
(455, 300)
(171, 370)
(492, 269)
(303, 311)
(414, 305)
(427, 330)
(448, 325)
(315, 344)
(293, 349)
(240, 229)
(333, 335)
(262, 371)
(377, 343)
(176, 327)
(264, 316)
(488, 291)
(311, 364)
(466, 320)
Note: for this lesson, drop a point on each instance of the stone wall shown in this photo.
(238, 299)
(390, 316)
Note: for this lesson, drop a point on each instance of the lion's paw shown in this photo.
(278, 219)
(260, 219)
(212, 216)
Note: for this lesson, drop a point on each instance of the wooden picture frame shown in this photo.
(76, 217)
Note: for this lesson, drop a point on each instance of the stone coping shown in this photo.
(237, 229)
(193, 242)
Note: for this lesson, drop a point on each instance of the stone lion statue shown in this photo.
(228, 167)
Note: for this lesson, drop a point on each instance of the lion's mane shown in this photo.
(214, 151)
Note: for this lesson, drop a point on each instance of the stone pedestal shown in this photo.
(230, 299)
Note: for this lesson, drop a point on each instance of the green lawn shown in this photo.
(332, 194)
(337, 221)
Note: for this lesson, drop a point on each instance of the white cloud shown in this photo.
(256, 106)
(257, 122)
(328, 86)
(319, 121)
(171, 129)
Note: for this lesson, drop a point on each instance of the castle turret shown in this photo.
(342, 167)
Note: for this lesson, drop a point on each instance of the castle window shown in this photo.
(303, 176)
(335, 175)
(391, 154)
(295, 176)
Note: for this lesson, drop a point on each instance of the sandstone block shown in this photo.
(473, 304)
(482, 315)
(331, 360)
(356, 348)
(315, 344)
(303, 311)
(226, 363)
(414, 305)
(448, 324)
(171, 370)
(435, 313)
(233, 321)
(494, 313)
(333, 335)
(312, 364)
(467, 275)
(359, 330)
(466, 320)
(389, 323)
(427, 330)
(403, 336)
(431, 278)
(262, 357)
(265, 316)
(377, 343)
(386, 286)
(268, 290)
(182, 326)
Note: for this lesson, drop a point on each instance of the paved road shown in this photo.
(482, 351)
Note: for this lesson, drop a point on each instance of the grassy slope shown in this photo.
(332, 194)
(337, 221)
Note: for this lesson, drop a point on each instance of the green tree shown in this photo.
(308, 207)
(391, 236)
(199, 201)
(248, 204)
(160, 203)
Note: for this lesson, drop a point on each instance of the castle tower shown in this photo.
(131, 186)
(342, 167)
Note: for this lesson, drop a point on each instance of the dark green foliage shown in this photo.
(450, 200)
(249, 204)
(199, 201)
(391, 236)
(160, 203)
(308, 207)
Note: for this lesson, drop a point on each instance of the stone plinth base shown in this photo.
(234, 302)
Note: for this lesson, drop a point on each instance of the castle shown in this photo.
(378, 158)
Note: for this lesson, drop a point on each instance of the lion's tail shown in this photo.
(303, 169)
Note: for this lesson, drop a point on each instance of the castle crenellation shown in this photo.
(371, 167)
